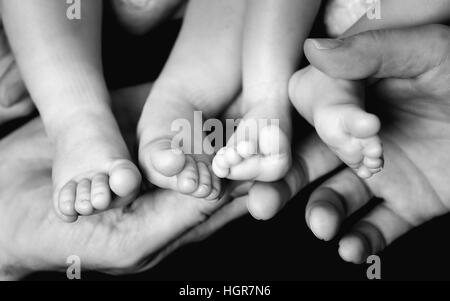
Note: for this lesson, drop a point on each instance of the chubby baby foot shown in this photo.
(92, 168)
(352, 134)
(260, 147)
(167, 164)
(336, 112)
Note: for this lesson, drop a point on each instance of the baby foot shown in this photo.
(172, 166)
(335, 110)
(352, 134)
(260, 147)
(92, 168)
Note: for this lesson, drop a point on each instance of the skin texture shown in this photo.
(417, 149)
(201, 74)
(412, 93)
(121, 240)
(12, 87)
(273, 32)
(92, 165)
(337, 111)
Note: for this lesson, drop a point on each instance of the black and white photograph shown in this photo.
(209, 142)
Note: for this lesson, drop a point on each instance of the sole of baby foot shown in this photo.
(92, 173)
(170, 168)
(264, 156)
(100, 190)
(353, 135)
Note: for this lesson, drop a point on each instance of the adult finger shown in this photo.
(372, 234)
(312, 159)
(333, 201)
(398, 53)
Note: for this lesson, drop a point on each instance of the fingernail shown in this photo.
(326, 44)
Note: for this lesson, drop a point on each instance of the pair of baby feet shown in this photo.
(95, 169)
(260, 147)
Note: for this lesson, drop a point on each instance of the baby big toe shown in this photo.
(83, 199)
(246, 149)
(362, 124)
(220, 165)
(124, 178)
(163, 158)
(100, 192)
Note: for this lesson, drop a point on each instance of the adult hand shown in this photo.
(412, 97)
(121, 240)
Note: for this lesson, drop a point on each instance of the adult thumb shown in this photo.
(394, 53)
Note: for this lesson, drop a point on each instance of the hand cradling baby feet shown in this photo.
(226, 50)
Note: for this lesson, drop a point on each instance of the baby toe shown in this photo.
(124, 178)
(163, 158)
(83, 198)
(232, 157)
(373, 149)
(361, 124)
(273, 141)
(66, 202)
(215, 187)
(247, 149)
(204, 176)
(373, 163)
(220, 165)
(363, 172)
(100, 192)
(187, 179)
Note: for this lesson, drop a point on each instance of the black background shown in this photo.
(280, 249)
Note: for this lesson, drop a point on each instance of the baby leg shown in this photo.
(60, 62)
(202, 74)
(260, 148)
(12, 87)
